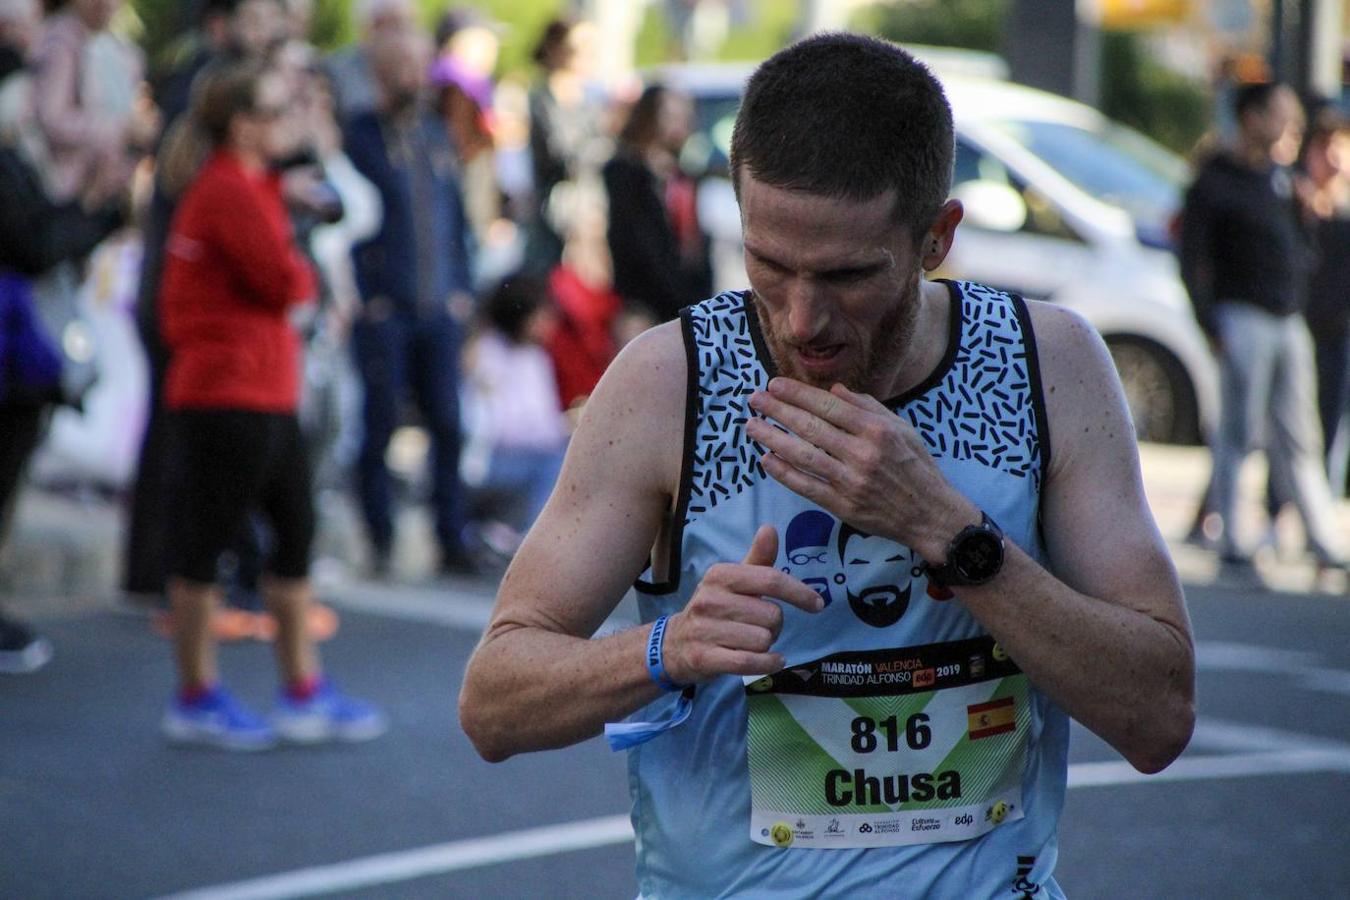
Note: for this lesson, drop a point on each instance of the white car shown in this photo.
(1061, 205)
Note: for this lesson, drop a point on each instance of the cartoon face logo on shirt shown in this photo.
(870, 566)
(807, 547)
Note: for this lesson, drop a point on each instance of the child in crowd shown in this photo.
(517, 429)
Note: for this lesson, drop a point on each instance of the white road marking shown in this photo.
(1237, 737)
(1203, 768)
(1251, 657)
(1259, 751)
(387, 868)
(1301, 665)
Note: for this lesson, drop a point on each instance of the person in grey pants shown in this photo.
(1245, 259)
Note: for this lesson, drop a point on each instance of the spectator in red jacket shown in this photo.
(583, 343)
(232, 274)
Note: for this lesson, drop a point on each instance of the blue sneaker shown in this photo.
(329, 715)
(21, 651)
(216, 719)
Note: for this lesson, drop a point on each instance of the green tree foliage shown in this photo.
(1135, 88)
(654, 44)
(332, 24)
(522, 22)
(166, 22)
(769, 29)
(975, 24)
(1169, 107)
(163, 24)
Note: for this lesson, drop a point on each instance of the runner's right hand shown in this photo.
(729, 625)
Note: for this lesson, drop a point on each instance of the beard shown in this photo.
(874, 358)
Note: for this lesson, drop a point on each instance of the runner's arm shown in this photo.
(537, 680)
(1107, 635)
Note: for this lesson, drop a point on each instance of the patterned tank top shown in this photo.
(900, 747)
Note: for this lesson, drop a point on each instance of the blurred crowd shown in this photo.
(386, 235)
(358, 241)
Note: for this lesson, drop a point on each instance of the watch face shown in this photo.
(980, 556)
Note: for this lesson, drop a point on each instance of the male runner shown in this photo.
(884, 706)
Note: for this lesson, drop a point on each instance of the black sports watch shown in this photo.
(974, 556)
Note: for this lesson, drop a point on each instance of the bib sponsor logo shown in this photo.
(806, 542)
(998, 812)
(876, 574)
(872, 599)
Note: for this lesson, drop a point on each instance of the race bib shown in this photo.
(887, 747)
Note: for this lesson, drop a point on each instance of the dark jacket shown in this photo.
(1328, 309)
(648, 268)
(35, 235)
(421, 254)
(1242, 240)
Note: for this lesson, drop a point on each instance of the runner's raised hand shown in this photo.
(735, 615)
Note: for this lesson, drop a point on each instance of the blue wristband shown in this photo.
(655, 665)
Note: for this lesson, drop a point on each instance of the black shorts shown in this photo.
(224, 465)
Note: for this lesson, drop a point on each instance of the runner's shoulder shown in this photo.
(1070, 351)
(652, 367)
(641, 397)
(1084, 402)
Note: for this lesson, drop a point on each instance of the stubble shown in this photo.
(876, 357)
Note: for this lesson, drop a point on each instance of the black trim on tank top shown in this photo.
(691, 420)
(955, 330)
(1037, 390)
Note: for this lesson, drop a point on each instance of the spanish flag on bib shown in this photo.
(994, 717)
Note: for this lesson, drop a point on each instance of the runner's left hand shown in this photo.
(855, 458)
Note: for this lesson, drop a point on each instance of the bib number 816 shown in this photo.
(916, 732)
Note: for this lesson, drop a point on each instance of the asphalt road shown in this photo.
(94, 804)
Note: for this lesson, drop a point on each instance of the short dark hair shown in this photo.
(848, 116)
(554, 36)
(511, 303)
(1254, 95)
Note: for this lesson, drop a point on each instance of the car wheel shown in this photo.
(1158, 390)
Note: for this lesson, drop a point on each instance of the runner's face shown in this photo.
(836, 283)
